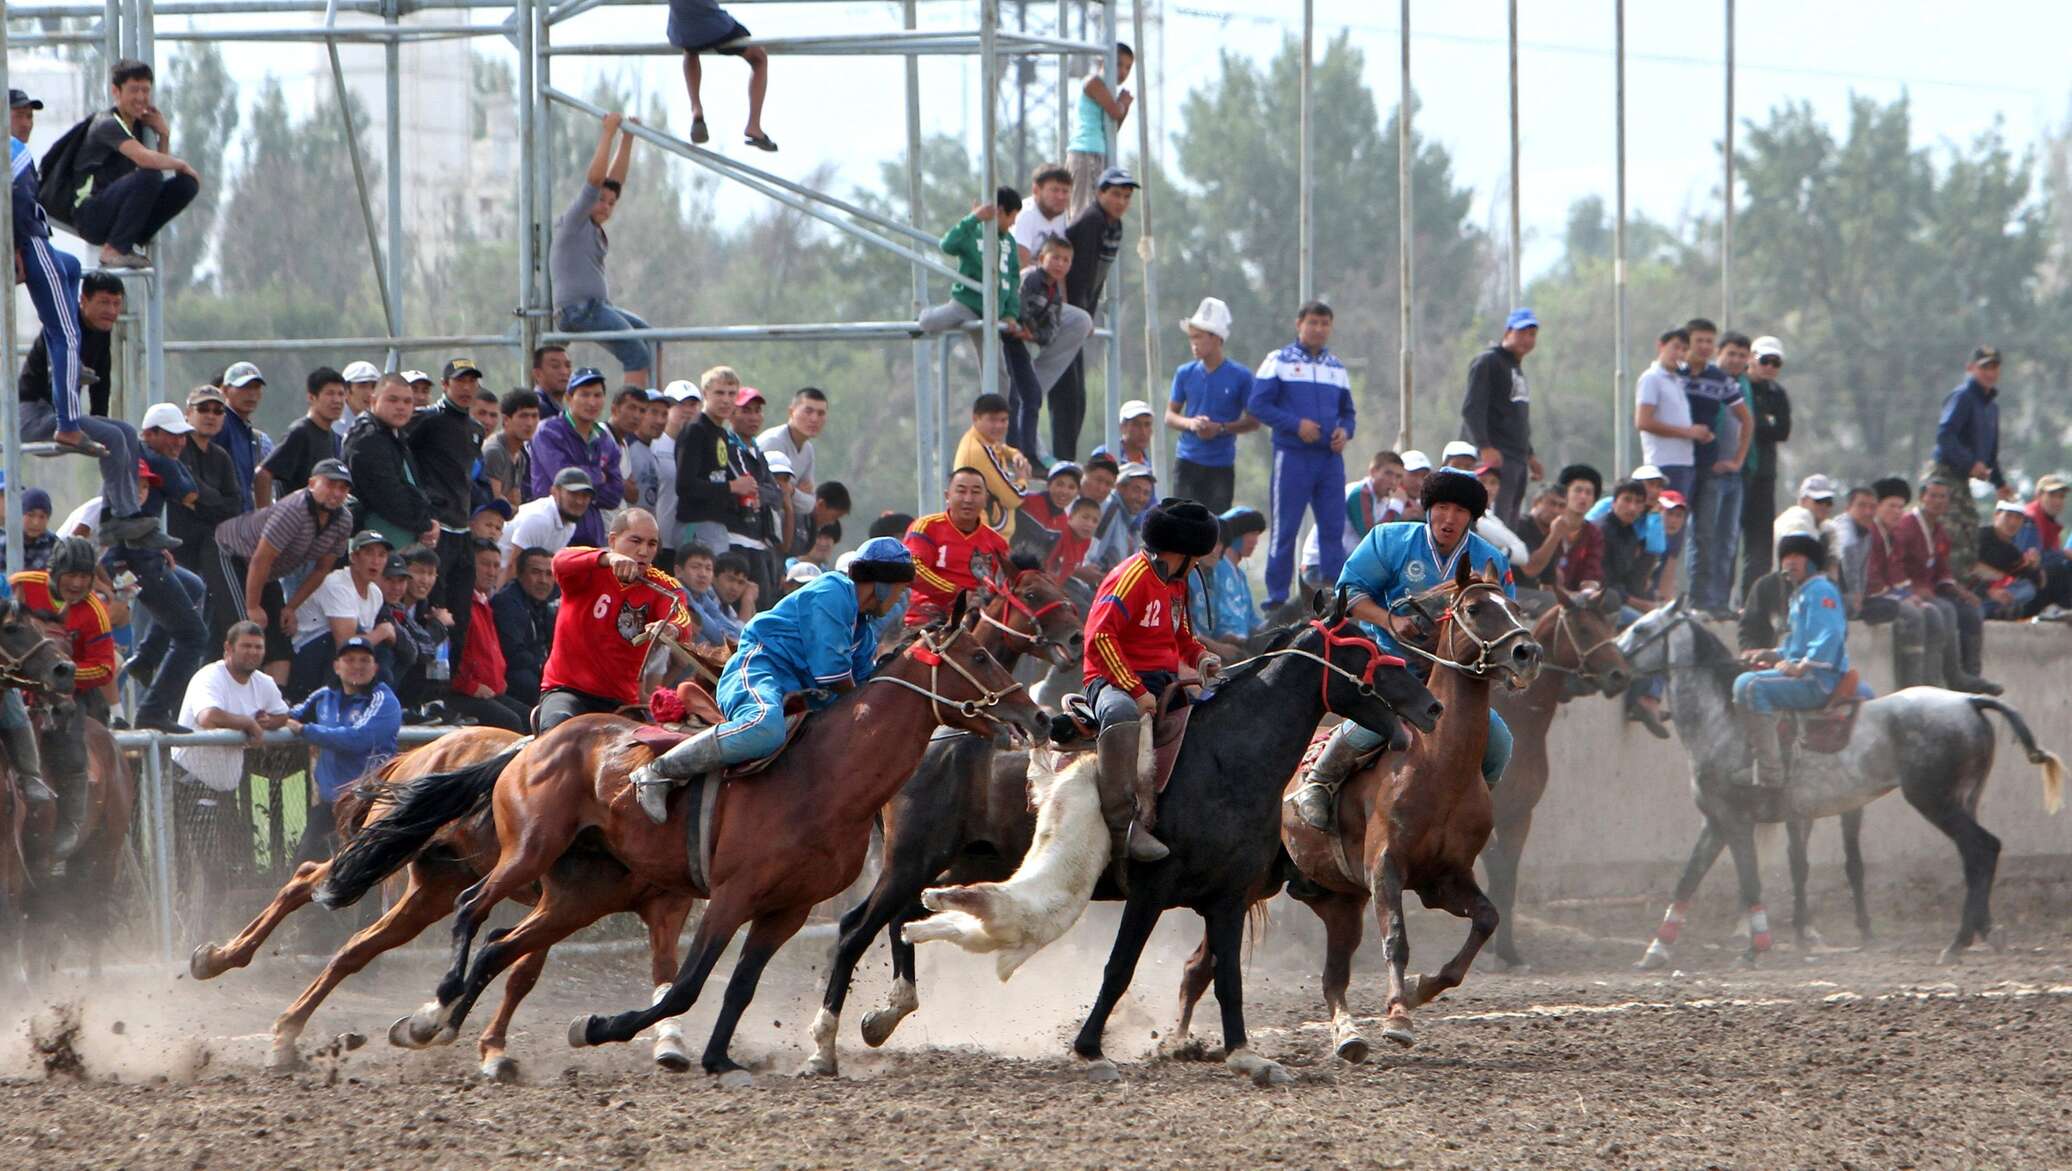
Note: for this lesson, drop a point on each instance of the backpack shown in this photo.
(58, 189)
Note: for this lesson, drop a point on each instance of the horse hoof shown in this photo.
(736, 1079)
(445, 1036)
(1353, 1050)
(1654, 958)
(284, 1059)
(427, 1026)
(579, 1031)
(1102, 1072)
(500, 1069)
(400, 1034)
(817, 1066)
(1427, 990)
(1397, 1028)
(1262, 1072)
(672, 1059)
(877, 1026)
(201, 964)
(1949, 956)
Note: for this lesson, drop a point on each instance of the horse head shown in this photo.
(1645, 644)
(1364, 683)
(1579, 636)
(964, 684)
(1026, 611)
(1470, 625)
(29, 657)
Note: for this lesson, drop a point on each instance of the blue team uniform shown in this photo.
(1819, 637)
(1292, 385)
(815, 638)
(53, 280)
(1396, 561)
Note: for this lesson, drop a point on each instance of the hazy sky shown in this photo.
(1965, 66)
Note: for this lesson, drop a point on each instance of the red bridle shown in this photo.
(1013, 602)
(1376, 657)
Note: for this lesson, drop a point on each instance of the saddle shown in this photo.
(700, 711)
(1828, 729)
(1168, 727)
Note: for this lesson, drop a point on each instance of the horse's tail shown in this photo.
(416, 811)
(2043, 758)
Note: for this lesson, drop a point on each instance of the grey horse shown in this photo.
(1934, 746)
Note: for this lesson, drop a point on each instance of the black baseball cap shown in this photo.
(17, 100)
(332, 469)
(1116, 177)
(398, 566)
(366, 537)
(575, 479)
(1986, 356)
(458, 367)
(495, 504)
(355, 643)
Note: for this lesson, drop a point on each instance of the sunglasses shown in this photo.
(209, 408)
(1769, 361)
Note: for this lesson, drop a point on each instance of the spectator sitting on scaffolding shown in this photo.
(576, 259)
(702, 26)
(127, 194)
(100, 304)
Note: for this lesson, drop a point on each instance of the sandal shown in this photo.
(82, 446)
(761, 142)
(698, 132)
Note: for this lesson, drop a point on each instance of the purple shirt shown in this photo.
(556, 446)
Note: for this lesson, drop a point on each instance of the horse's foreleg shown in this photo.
(424, 902)
(1194, 980)
(664, 916)
(1226, 938)
(1395, 947)
(209, 961)
(715, 930)
(1748, 870)
(1344, 919)
(1704, 852)
(1796, 831)
(1500, 857)
(1852, 866)
(1139, 915)
(523, 863)
(1462, 897)
(563, 909)
(496, 1065)
(765, 935)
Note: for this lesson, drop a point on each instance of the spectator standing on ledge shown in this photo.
(576, 259)
(232, 693)
(1770, 407)
(243, 388)
(702, 26)
(507, 455)
(1054, 323)
(1496, 413)
(524, 609)
(174, 598)
(794, 437)
(1047, 213)
(127, 196)
(1207, 407)
(578, 438)
(100, 305)
(1967, 448)
(353, 727)
(360, 380)
(1093, 137)
(1303, 394)
(1716, 404)
(447, 442)
(311, 438)
(1096, 238)
(1662, 414)
(385, 476)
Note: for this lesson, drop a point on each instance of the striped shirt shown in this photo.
(292, 527)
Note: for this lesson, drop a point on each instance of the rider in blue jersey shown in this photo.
(1801, 674)
(1394, 562)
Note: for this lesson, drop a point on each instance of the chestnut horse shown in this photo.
(782, 841)
(32, 663)
(1411, 821)
(1582, 658)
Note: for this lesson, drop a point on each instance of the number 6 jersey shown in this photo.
(600, 617)
(1139, 623)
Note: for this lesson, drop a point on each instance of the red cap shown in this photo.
(1672, 499)
(150, 477)
(749, 394)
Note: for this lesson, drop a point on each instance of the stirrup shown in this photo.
(651, 792)
(1316, 804)
(1142, 847)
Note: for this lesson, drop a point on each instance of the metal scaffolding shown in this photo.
(126, 28)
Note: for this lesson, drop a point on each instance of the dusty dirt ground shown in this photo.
(1821, 1057)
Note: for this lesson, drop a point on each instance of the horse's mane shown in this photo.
(1277, 638)
(1714, 657)
(1025, 562)
(913, 635)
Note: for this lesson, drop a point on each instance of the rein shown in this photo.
(1033, 636)
(933, 655)
(1485, 648)
(1376, 659)
(1670, 664)
(1563, 629)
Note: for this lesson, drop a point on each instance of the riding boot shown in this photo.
(27, 759)
(65, 760)
(1316, 802)
(653, 782)
(1128, 797)
(1767, 778)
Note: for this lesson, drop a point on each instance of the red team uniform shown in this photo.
(942, 563)
(600, 617)
(91, 640)
(1139, 624)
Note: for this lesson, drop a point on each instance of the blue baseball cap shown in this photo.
(584, 375)
(1521, 319)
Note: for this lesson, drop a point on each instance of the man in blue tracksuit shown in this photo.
(1401, 560)
(821, 640)
(353, 727)
(1801, 674)
(1303, 394)
(52, 278)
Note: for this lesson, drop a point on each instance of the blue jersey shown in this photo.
(1396, 561)
(1234, 615)
(28, 213)
(1819, 634)
(1221, 394)
(1293, 385)
(816, 637)
(352, 733)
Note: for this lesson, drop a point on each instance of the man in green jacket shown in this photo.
(967, 242)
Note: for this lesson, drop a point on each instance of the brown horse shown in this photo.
(780, 842)
(1582, 658)
(452, 861)
(1410, 821)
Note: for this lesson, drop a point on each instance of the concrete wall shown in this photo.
(1619, 800)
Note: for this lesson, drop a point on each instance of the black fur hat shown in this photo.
(1181, 526)
(1806, 545)
(1455, 486)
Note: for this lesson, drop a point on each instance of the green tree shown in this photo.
(201, 108)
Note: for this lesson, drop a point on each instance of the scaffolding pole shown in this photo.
(392, 147)
(1404, 249)
(1147, 253)
(1305, 228)
(1517, 238)
(927, 432)
(10, 390)
(1726, 223)
(989, 131)
(1111, 426)
(1622, 443)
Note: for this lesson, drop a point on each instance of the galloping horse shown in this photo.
(1410, 821)
(1934, 746)
(1581, 659)
(779, 842)
(32, 662)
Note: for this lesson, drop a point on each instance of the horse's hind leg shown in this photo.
(765, 935)
(1195, 979)
(1704, 852)
(1980, 852)
(496, 1065)
(715, 929)
(1748, 870)
(1395, 948)
(521, 864)
(1344, 919)
(1226, 938)
(1852, 866)
(1796, 831)
(664, 916)
(563, 909)
(209, 961)
(424, 902)
(1460, 896)
(1500, 858)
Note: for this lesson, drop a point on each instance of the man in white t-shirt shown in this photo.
(231, 693)
(1048, 211)
(347, 604)
(549, 522)
(1662, 414)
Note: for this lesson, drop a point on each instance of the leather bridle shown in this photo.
(1486, 649)
(1364, 681)
(933, 655)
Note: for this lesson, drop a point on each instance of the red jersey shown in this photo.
(92, 639)
(600, 617)
(1037, 507)
(482, 655)
(1139, 623)
(942, 563)
(1067, 555)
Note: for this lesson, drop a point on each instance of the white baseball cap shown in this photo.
(415, 376)
(1457, 449)
(166, 417)
(1211, 316)
(1134, 470)
(1416, 461)
(1648, 472)
(804, 571)
(1767, 347)
(682, 390)
(1135, 408)
(2011, 506)
(362, 372)
(779, 463)
(1818, 487)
